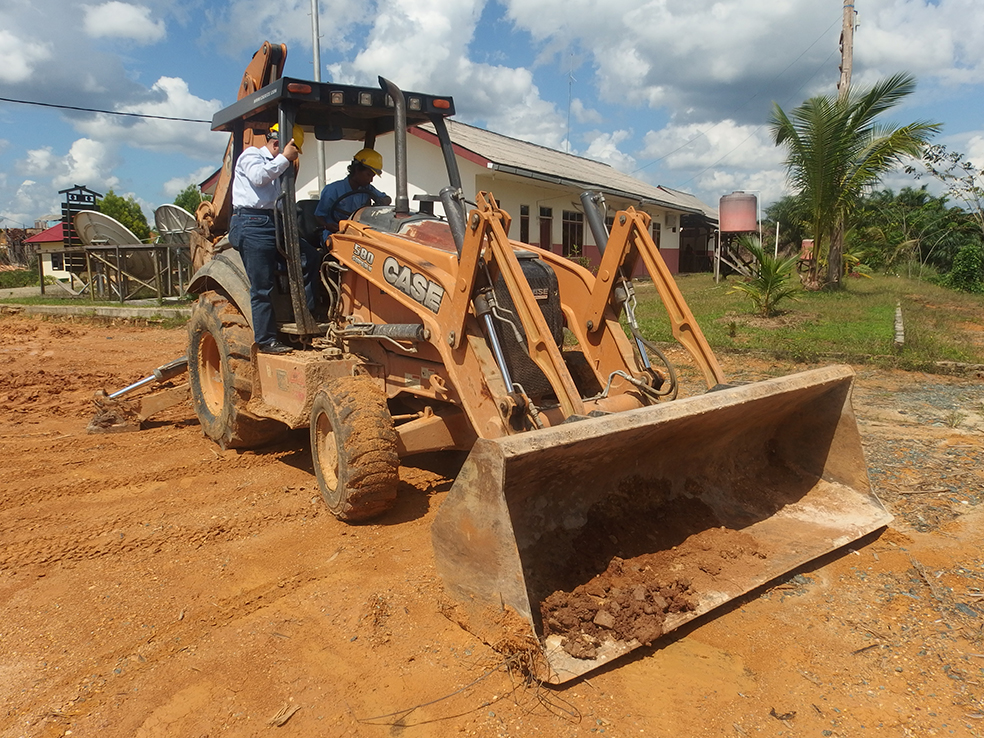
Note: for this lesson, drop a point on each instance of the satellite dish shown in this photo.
(98, 229)
(174, 224)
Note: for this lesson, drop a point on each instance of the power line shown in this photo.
(104, 112)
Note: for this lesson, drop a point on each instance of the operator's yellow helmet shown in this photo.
(298, 135)
(370, 158)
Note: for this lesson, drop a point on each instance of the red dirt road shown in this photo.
(152, 584)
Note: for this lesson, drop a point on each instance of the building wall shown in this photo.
(512, 193)
(427, 175)
(425, 168)
(51, 271)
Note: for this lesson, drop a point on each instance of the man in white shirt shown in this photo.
(252, 232)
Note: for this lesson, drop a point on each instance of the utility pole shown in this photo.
(847, 49)
(835, 255)
(316, 44)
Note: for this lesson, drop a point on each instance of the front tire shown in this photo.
(354, 448)
(221, 375)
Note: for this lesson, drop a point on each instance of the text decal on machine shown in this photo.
(414, 285)
(363, 257)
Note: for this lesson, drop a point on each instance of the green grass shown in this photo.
(856, 324)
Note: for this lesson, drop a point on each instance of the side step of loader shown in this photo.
(603, 534)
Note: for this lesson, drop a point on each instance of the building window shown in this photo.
(572, 235)
(546, 229)
(524, 223)
(57, 262)
(656, 230)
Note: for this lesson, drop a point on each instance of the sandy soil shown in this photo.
(152, 584)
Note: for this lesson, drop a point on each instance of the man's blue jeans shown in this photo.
(254, 237)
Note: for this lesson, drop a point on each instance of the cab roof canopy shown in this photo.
(335, 112)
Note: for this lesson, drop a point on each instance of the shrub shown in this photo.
(967, 274)
(18, 278)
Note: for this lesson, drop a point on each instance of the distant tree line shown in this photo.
(911, 233)
(837, 151)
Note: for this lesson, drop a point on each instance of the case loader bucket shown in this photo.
(592, 538)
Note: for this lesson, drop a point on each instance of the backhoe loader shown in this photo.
(593, 512)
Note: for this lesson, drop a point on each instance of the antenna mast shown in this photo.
(570, 97)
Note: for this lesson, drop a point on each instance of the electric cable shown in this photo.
(104, 112)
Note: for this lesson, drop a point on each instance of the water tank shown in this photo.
(738, 213)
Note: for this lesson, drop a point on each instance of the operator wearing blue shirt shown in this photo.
(342, 198)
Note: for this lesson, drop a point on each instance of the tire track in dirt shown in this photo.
(126, 658)
(51, 539)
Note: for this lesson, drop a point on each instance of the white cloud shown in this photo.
(725, 144)
(87, 161)
(583, 114)
(170, 98)
(18, 56)
(436, 36)
(768, 185)
(177, 184)
(604, 147)
(123, 20)
(39, 162)
(673, 54)
(287, 22)
(975, 151)
(28, 201)
(938, 38)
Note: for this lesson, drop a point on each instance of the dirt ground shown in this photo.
(152, 584)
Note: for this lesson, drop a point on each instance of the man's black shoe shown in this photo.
(274, 347)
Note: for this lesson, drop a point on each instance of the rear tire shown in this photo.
(354, 448)
(221, 375)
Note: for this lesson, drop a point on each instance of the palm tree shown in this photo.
(836, 151)
(770, 283)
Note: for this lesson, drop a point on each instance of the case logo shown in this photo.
(413, 284)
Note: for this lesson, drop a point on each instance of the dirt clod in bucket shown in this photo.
(631, 599)
(643, 554)
(618, 604)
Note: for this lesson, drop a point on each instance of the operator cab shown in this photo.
(345, 113)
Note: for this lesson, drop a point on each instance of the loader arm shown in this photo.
(485, 227)
(632, 230)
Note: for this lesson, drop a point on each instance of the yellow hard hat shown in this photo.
(370, 158)
(298, 135)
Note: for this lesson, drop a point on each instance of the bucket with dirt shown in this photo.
(602, 535)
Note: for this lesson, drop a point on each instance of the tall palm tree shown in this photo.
(836, 151)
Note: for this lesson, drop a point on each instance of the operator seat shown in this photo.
(307, 225)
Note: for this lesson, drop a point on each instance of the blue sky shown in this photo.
(675, 92)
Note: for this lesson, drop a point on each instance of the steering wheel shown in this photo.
(337, 214)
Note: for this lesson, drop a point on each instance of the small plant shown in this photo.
(771, 283)
(954, 418)
(578, 257)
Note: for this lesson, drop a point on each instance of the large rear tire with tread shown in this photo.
(354, 448)
(221, 375)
